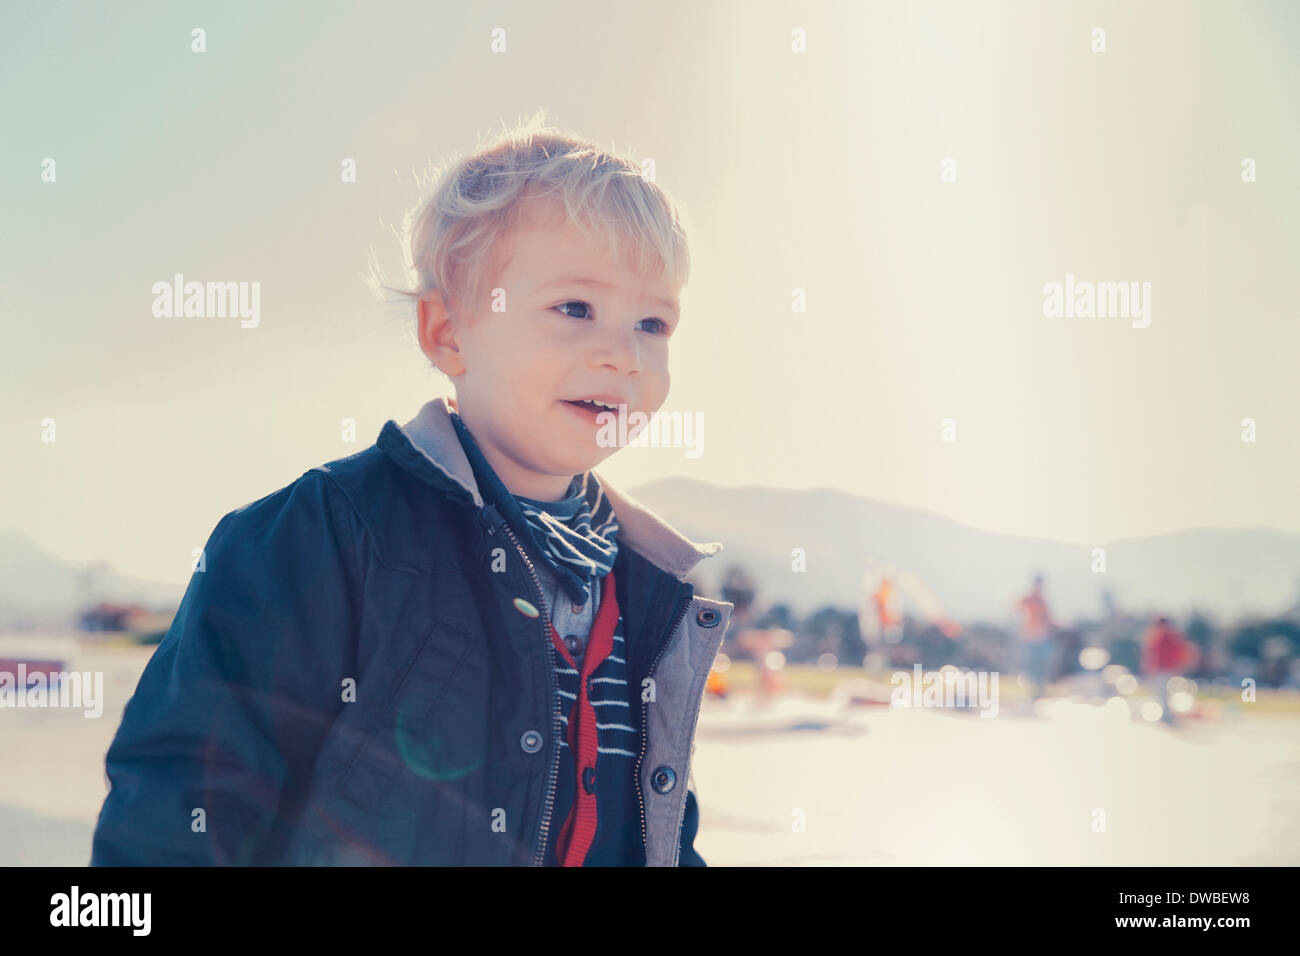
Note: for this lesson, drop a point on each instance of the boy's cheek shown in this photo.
(658, 394)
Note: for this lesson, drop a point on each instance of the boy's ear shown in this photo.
(438, 336)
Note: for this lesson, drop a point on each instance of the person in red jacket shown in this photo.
(1166, 651)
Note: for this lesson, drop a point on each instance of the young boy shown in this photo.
(459, 646)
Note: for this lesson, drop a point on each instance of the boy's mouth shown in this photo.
(590, 409)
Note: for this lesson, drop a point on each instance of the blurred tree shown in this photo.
(1273, 642)
(1126, 651)
(1065, 660)
(1248, 639)
(740, 589)
(778, 615)
(934, 648)
(824, 622)
(1201, 632)
(852, 646)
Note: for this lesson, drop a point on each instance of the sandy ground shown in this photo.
(808, 782)
(53, 784)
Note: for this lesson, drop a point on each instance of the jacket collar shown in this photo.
(432, 436)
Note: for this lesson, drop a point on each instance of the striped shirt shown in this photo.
(595, 811)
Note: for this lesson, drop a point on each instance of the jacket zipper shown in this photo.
(686, 605)
(552, 766)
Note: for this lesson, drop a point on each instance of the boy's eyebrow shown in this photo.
(581, 280)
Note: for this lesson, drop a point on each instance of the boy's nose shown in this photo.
(618, 350)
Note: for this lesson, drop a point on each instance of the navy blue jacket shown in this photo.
(347, 680)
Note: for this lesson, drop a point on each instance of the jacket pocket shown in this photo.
(409, 735)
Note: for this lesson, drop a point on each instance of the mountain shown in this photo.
(38, 590)
(939, 565)
(966, 573)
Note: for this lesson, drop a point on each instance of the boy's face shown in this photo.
(577, 324)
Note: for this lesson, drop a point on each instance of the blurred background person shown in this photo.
(880, 619)
(1036, 630)
(888, 612)
(1166, 652)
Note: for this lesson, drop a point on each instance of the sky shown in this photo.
(806, 147)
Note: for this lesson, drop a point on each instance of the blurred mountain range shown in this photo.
(38, 590)
(971, 574)
(941, 565)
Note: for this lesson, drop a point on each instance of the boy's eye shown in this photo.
(660, 327)
(580, 304)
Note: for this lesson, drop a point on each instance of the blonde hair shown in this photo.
(451, 237)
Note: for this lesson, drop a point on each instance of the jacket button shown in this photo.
(589, 779)
(663, 779)
(526, 609)
(530, 742)
(708, 617)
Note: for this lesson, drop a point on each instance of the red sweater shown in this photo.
(1164, 648)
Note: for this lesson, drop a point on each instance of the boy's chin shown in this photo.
(577, 464)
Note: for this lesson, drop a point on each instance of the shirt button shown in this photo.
(571, 642)
(577, 608)
(589, 779)
(530, 742)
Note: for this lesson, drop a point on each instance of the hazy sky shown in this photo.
(818, 171)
